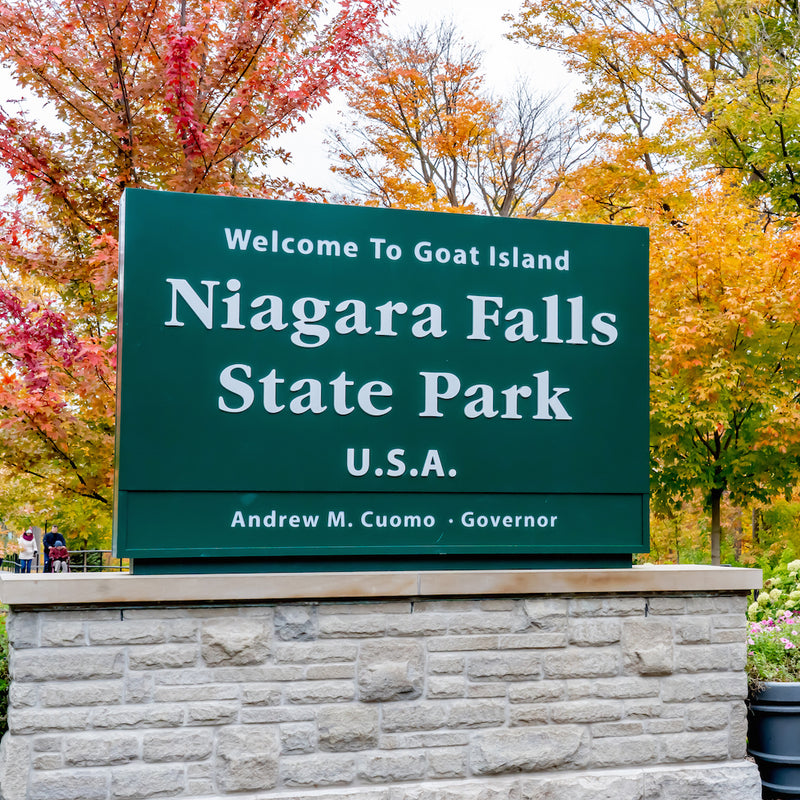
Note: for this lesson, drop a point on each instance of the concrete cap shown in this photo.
(115, 588)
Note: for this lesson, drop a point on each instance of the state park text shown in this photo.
(310, 322)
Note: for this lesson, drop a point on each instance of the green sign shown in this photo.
(309, 381)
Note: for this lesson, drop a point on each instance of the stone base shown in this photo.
(577, 695)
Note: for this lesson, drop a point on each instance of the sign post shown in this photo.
(309, 386)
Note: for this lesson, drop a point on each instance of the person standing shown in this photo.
(51, 539)
(27, 550)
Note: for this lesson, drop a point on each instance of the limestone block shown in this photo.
(155, 715)
(417, 625)
(247, 758)
(34, 720)
(736, 621)
(177, 694)
(14, 767)
(532, 641)
(505, 667)
(602, 729)
(477, 622)
(182, 630)
(352, 625)
(586, 711)
(707, 716)
(644, 708)
(424, 739)
(583, 787)
(317, 653)
(626, 688)
(200, 787)
(139, 689)
(647, 646)
(476, 713)
(100, 750)
(487, 689)
(467, 790)
(592, 631)
(295, 623)
(162, 656)
(447, 762)
(623, 751)
(703, 658)
(22, 628)
(693, 631)
(235, 642)
(46, 744)
(127, 631)
(446, 687)
(317, 692)
(133, 782)
(263, 715)
(21, 695)
(686, 688)
(729, 781)
(81, 693)
(211, 713)
(392, 767)
(737, 732)
(582, 662)
(389, 671)
(66, 633)
(193, 745)
(737, 656)
(454, 644)
(705, 746)
(446, 664)
(318, 770)
(528, 715)
(414, 717)
(347, 727)
(68, 785)
(664, 604)
(298, 737)
(45, 761)
(664, 725)
(262, 694)
(68, 664)
(546, 613)
(717, 604)
(527, 750)
(316, 672)
(607, 606)
(537, 692)
(580, 688)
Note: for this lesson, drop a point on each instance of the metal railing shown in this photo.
(79, 561)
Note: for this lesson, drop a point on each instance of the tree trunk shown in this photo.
(716, 527)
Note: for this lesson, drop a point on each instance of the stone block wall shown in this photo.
(606, 697)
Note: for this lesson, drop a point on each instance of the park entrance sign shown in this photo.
(311, 386)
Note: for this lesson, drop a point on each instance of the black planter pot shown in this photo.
(773, 738)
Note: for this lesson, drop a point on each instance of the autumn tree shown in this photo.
(159, 94)
(725, 343)
(714, 82)
(427, 134)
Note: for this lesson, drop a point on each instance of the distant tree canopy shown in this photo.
(425, 133)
